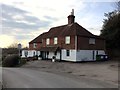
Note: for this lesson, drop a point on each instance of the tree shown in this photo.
(13, 45)
(111, 29)
(118, 6)
(12, 49)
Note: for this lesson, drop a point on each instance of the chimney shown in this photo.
(71, 18)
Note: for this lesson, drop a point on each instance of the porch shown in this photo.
(48, 53)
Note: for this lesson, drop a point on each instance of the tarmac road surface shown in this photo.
(30, 78)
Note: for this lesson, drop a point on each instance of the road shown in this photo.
(31, 78)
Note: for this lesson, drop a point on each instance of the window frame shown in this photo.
(55, 40)
(34, 53)
(67, 40)
(26, 53)
(92, 41)
(47, 41)
(67, 53)
(34, 45)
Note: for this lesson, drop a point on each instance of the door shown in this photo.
(43, 55)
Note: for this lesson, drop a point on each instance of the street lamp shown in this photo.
(19, 48)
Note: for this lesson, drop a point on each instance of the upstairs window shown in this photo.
(47, 41)
(67, 40)
(55, 40)
(92, 41)
(34, 45)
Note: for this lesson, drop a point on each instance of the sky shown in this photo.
(23, 20)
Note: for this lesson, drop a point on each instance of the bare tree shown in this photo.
(25, 47)
(13, 45)
(118, 6)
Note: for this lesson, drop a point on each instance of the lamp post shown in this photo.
(19, 48)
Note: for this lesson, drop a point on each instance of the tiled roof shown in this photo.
(65, 30)
(38, 39)
(69, 29)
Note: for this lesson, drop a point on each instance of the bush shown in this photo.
(11, 61)
(22, 62)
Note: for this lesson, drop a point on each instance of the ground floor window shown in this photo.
(67, 52)
(26, 53)
(96, 52)
(33, 53)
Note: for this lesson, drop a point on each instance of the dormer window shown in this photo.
(47, 41)
(67, 40)
(55, 40)
(92, 41)
(34, 45)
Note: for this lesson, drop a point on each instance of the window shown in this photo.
(34, 45)
(96, 52)
(55, 40)
(92, 41)
(67, 40)
(47, 41)
(67, 52)
(33, 53)
(25, 53)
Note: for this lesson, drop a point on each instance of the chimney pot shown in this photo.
(71, 18)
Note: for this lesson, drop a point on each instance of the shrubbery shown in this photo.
(11, 61)
(22, 62)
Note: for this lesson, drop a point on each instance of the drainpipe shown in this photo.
(75, 42)
(76, 46)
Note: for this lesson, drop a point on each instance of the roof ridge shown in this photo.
(84, 30)
(59, 26)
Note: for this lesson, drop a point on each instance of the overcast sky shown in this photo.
(23, 20)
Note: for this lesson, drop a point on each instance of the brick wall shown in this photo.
(61, 43)
(83, 44)
(37, 47)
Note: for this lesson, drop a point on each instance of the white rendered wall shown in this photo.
(72, 56)
(58, 55)
(84, 55)
(51, 54)
(87, 55)
(23, 53)
(79, 55)
(30, 53)
(38, 53)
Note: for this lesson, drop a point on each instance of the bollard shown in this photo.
(53, 59)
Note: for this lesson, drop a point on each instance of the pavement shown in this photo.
(33, 78)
